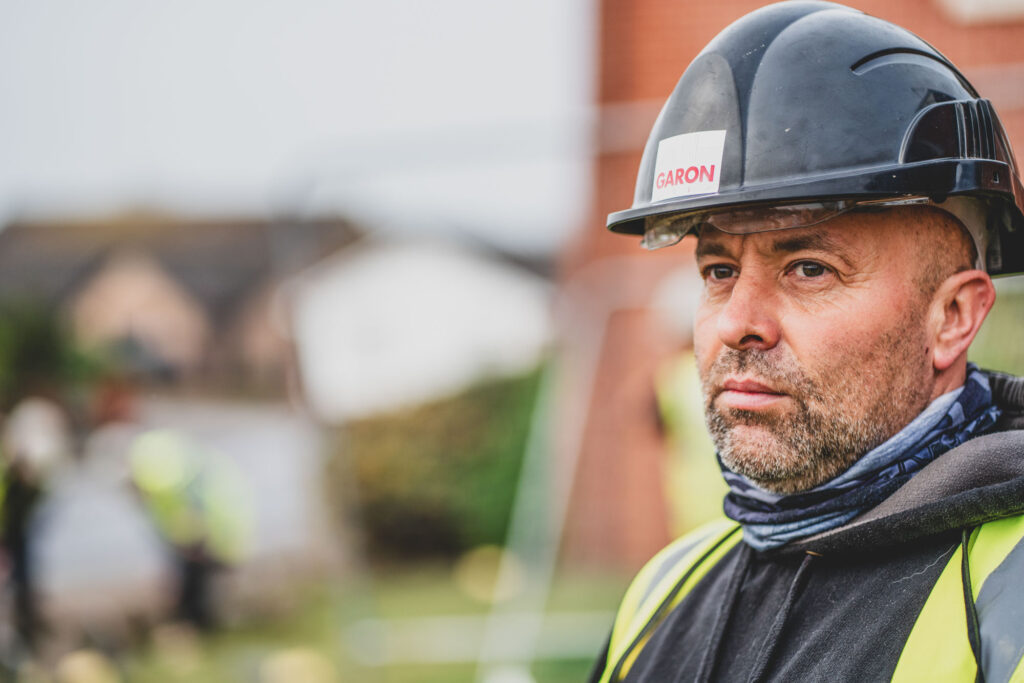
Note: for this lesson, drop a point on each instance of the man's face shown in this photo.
(811, 345)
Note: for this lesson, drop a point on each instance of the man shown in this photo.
(851, 195)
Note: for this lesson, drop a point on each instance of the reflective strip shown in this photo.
(656, 571)
(693, 568)
(1000, 601)
(656, 581)
(938, 649)
(1018, 673)
(672, 559)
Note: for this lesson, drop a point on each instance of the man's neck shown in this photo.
(949, 379)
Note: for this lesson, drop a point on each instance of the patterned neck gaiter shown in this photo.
(771, 520)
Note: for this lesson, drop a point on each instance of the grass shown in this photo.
(311, 642)
(996, 346)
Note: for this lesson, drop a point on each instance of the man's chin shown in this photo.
(758, 454)
(757, 433)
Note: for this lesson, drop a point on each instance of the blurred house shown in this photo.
(388, 325)
(175, 299)
(366, 325)
(179, 302)
(134, 304)
(614, 292)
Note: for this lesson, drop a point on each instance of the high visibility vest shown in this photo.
(195, 496)
(939, 647)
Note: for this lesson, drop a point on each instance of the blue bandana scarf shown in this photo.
(771, 520)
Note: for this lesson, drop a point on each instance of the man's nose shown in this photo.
(748, 319)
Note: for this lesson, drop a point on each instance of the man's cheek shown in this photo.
(703, 345)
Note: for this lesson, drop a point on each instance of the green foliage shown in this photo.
(37, 354)
(998, 345)
(439, 479)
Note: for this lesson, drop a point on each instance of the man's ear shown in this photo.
(960, 306)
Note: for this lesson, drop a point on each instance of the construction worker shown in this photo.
(199, 503)
(850, 195)
(36, 443)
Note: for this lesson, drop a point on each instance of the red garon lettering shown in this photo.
(683, 176)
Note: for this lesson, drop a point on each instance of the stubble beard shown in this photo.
(832, 420)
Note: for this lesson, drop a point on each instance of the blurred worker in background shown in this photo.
(198, 501)
(36, 442)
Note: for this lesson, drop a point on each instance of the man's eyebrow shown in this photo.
(705, 248)
(813, 242)
(784, 245)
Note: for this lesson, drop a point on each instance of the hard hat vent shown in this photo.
(953, 130)
(893, 55)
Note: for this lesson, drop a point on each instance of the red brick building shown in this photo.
(618, 512)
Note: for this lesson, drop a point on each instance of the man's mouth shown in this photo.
(741, 393)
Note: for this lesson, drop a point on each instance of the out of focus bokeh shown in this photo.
(316, 362)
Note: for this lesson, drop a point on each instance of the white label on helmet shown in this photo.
(687, 164)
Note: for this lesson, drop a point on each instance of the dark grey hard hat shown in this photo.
(810, 101)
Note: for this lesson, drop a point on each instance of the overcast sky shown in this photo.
(449, 114)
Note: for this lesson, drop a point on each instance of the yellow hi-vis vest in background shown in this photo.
(195, 495)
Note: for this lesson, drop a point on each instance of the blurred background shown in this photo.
(316, 362)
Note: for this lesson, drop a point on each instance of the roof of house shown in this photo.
(218, 261)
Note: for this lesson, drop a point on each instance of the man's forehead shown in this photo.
(843, 237)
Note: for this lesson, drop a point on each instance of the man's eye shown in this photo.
(719, 272)
(810, 269)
